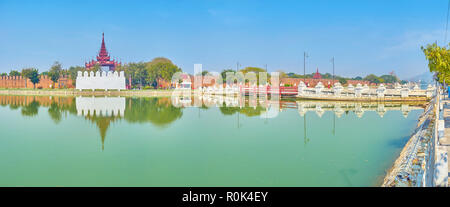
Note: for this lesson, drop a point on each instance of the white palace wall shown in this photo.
(103, 80)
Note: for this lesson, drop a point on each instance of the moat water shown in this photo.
(116, 141)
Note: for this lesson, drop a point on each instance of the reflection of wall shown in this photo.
(101, 106)
(42, 100)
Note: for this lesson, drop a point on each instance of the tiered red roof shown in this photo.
(103, 58)
(317, 75)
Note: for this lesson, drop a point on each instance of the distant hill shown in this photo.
(426, 77)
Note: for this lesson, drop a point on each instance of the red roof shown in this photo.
(317, 75)
(103, 58)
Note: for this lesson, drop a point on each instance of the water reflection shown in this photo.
(162, 112)
(158, 111)
(359, 108)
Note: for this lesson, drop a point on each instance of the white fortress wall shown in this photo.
(100, 80)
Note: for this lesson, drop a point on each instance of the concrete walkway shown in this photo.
(445, 141)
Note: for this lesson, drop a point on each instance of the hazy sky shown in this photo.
(371, 36)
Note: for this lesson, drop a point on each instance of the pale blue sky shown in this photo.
(371, 36)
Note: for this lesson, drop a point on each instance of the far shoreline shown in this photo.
(74, 92)
(168, 93)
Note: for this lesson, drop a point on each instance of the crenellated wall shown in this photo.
(44, 82)
(100, 80)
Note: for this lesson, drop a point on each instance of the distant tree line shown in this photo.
(144, 75)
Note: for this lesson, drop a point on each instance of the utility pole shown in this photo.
(304, 66)
(446, 25)
(332, 60)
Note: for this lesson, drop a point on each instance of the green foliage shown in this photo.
(252, 69)
(149, 73)
(72, 72)
(373, 79)
(293, 75)
(327, 76)
(95, 68)
(224, 73)
(438, 61)
(357, 78)
(389, 78)
(55, 72)
(158, 111)
(14, 73)
(4, 74)
(137, 72)
(160, 68)
(205, 72)
(257, 70)
(55, 113)
(32, 74)
(247, 110)
(342, 80)
(31, 109)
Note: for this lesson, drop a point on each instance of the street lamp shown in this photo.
(305, 55)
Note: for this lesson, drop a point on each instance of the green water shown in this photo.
(45, 141)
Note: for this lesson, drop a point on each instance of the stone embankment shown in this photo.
(423, 161)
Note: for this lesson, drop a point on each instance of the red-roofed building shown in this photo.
(317, 75)
(103, 58)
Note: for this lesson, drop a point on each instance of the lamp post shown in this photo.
(305, 55)
(332, 60)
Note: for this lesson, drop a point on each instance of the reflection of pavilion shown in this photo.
(358, 108)
(101, 110)
(272, 107)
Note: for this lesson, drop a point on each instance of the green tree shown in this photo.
(293, 75)
(342, 80)
(14, 73)
(72, 72)
(55, 72)
(438, 61)
(389, 78)
(224, 73)
(373, 79)
(257, 70)
(32, 74)
(4, 74)
(252, 69)
(137, 72)
(160, 69)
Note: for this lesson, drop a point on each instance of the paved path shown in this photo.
(446, 139)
